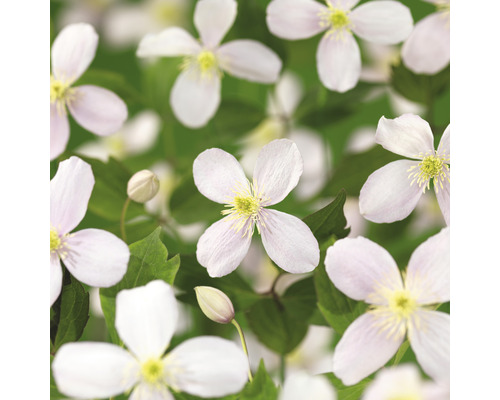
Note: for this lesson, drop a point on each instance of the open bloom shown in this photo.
(96, 109)
(338, 56)
(427, 50)
(195, 96)
(146, 317)
(301, 385)
(288, 241)
(363, 270)
(392, 192)
(94, 256)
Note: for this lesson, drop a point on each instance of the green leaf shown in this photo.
(148, 262)
(338, 309)
(261, 388)
(330, 220)
(301, 298)
(236, 117)
(348, 392)
(71, 314)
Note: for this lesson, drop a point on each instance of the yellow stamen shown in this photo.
(337, 20)
(152, 371)
(205, 62)
(402, 304)
(432, 167)
(55, 241)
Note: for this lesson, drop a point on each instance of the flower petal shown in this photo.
(363, 349)
(195, 99)
(221, 248)
(428, 275)
(396, 382)
(429, 337)
(207, 366)
(98, 110)
(408, 135)
(343, 4)
(213, 18)
(145, 391)
(141, 132)
(72, 51)
(295, 19)
(277, 170)
(146, 318)
(427, 50)
(96, 257)
(250, 60)
(171, 42)
(444, 143)
(70, 191)
(388, 195)
(56, 277)
(443, 198)
(339, 62)
(287, 95)
(289, 242)
(359, 267)
(94, 370)
(217, 175)
(300, 386)
(384, 22)
(59, 132)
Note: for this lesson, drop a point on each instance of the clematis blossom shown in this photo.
(338, 56)
(301, 385)
(363, 270)
(93, 256)
(146, 318)
(288, 241)
(195, 96)
(392, 192)
(96, 109)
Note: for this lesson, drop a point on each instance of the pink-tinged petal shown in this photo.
(96, 257)
(141, 132)
(301, 386)
(59, 132)
(70, 191)
(213, 18)
(195, 99)
(287, 95)
(384, 22)
(145, 391)
(218, 175)
(277, 170)
(343, 4)
(222, 247)
(207, 366)
(98, 110)
(363, 349)
(295, 19)
(401, 382)
(359, 268)
(56, 277)
(146, 318)
(289, 242)
(89, 370)
(171, 42)
(339, 62)
(443, 198)
(428, 275)
(444, 143)
(429, 336)
(408, 135)
(427, 50)
(250, 60)
(388, 194)
(72, 51)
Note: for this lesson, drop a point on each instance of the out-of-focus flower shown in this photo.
(427, 50)
(82, 252)
(338, 56)
(96, 109)
(301, 385)
(90, 11)
(355, 220)
(219, 177)
(361, 140)
(404, 382)
(428, 216)
(392, 192)
(143, 186)
(136, 136)
(145, 320)
(363, 270)
(215, 304)
(195, 96)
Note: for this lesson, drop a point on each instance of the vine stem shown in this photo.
(244, 345)
(122, 219)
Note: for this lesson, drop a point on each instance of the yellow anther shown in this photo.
(207, 61)
(152, 371)
(59, 90)
(432, 167)
(55, 241)
(338, 19)
(402, 303)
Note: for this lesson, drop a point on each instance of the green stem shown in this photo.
(122, 219)
(244, 345)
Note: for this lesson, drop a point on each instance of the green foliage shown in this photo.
(236, 117)
(261, 388)
(348, 392)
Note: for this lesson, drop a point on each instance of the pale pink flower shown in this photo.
(96, 109)
(301, 386)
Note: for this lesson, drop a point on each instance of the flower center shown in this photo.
(55, 241)
(59, 91)
(207, 61)
(432, 167)
(402, 303)
(152, 371)
(246, 206)
(337, 20)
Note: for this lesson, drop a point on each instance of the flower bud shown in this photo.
(215, 304)
(143, 186)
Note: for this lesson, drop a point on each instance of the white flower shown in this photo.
(404, 382)
(288, 241)
(145, 320)
(338, 56)
(96, 109)
(195, 96)
(392, 192)
(94, 256)
(363, 270)
(427, 50)
(301, 386)
(143, 186)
